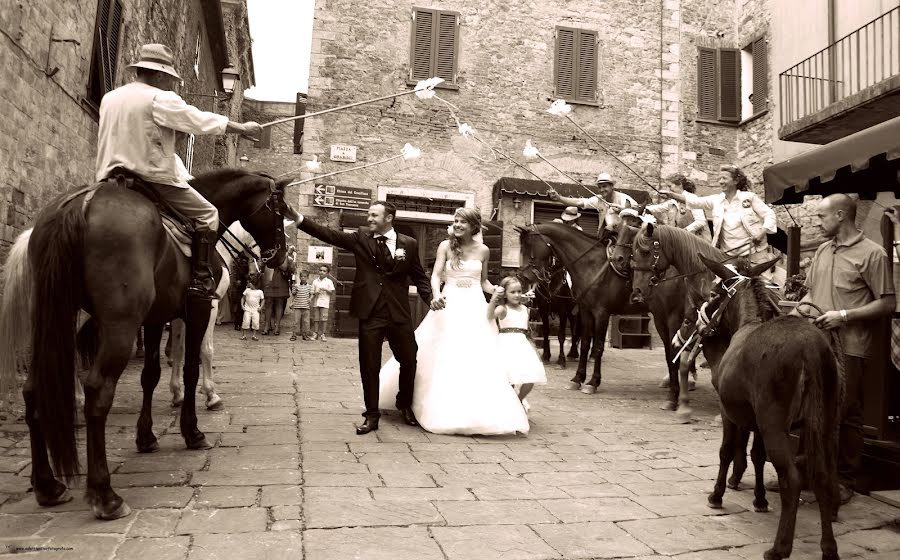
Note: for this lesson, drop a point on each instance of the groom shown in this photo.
(386, 262)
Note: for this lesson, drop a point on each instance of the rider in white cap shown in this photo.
(136, 136)
(607, 200)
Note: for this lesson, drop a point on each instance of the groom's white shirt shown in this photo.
(391, 241)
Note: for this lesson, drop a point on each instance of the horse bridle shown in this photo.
(274, 203)
(546, 276)
(655, 275)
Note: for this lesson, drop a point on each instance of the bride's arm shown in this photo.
(440, 261)
(486, 285)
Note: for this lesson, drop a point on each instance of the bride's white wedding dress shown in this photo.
(460, 387)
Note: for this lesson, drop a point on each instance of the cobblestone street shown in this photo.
(599, 476)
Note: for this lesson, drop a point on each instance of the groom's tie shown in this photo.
(384, 253)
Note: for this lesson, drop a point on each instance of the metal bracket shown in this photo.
(50, 72)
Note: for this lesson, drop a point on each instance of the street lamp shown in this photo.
(244, 160)
(230, 77)
(516, 202)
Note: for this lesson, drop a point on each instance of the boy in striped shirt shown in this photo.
(301, 293)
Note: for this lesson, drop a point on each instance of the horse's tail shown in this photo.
(56, 253)
(15, 313)
(821, 413)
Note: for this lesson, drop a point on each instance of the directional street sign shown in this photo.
(333, 196)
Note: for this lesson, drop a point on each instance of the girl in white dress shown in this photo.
(460, 385)
(517, 355)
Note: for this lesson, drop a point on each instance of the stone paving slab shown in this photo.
(599, 476)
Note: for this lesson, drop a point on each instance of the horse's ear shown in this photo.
(758, 269)
(717, 268)
(648, 229)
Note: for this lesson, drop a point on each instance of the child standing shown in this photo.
(301, 293)
(251, 301)
(322, 288)
(516, 353)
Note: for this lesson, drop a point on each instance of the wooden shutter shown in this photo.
(760, 76)
(421, 45)
(707, 84)
(565, 63)
(106, 49)
(446, 46)
(730, 85)
(586, 88)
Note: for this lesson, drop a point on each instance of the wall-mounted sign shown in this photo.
(339, 152)
(334, 196)
(319, 254)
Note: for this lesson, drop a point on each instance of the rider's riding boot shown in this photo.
(203, 283)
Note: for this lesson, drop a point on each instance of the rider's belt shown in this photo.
(513, 330)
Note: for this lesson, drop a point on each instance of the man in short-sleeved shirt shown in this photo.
(606, 201)
(849, 280)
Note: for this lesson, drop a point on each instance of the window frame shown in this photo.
(576, 63)
(717, 86)
(87, 100)
(436, 13)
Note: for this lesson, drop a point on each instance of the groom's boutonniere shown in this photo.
(400, 254)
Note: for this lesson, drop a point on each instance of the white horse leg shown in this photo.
(176, 334)
(213, 401)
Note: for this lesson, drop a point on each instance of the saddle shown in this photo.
(179, 227)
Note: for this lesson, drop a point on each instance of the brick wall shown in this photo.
(48, 134)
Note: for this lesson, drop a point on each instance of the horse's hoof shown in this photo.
(734, 484)
(151, 447)
(588, 389)
(668, 405)
(199, 443)
(560, 366)
(714, 503)
(122, 511)
(62, 496)
(573, 386)
(684, 415)
(692, 385)
(215, 403)
(772, 555)
(761, 509)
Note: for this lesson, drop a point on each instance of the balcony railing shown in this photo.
(869, 55)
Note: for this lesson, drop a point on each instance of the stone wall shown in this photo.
(48, 133)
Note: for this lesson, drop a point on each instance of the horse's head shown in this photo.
(536, 256)
(731, 284)
(628, 226)
(266, 223)
(648, 263)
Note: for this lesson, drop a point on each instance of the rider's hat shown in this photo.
(570, 213)
(157, 57)
(604, 178)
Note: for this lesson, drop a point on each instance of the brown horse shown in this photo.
(553, 296)
(600, 291)
(778, 371)
(112, 258)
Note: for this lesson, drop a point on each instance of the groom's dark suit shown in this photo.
(380, 300)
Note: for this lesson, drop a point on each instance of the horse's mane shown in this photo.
(222, 175)
(682, 246)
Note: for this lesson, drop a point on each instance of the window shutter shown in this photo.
(565, 63)
(105, 54)
(707, 90)
(586, 88)
(421, 45)
(446, 47)
(760, 76)
(729, 85)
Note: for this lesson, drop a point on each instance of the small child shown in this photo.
(251, 302)
(322, 288)
(522, 365)
(301, 293)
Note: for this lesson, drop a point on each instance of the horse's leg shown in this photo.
(740, 459)
(778, 449)
(145, 440)
(581, 373)
(726, 454)
(99, 391)
(169, 347)
(576, 333)
(561, 337)
(758, 456)
(213, 401)
(544, 311)
(195, 324)
(47, 490)
(176, 342)
(139, 345)
(601, 323)
(662, 328)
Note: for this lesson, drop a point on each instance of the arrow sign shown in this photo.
(320, 200)
(320, 189)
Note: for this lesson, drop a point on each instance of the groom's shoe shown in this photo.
(408, 417)
(370, 425)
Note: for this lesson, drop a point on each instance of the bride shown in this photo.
(460, 388)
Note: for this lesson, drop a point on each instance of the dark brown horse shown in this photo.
(600, 291)
(553, 296)
(113, 259)
(778, 372)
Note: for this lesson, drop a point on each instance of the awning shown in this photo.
(531, 187)
(866, 163)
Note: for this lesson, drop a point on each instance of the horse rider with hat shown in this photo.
(136, 137)
(607, 201)
(570, 217)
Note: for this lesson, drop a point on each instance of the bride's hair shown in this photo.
(471, 216)
(505, 284)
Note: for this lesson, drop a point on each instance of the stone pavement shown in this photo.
(599, 476)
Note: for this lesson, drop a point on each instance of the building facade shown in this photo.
(59, 58)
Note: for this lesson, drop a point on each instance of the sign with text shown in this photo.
(334, 196)
(340, 152)
(320, 254)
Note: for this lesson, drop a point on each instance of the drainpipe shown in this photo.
(832, 64)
